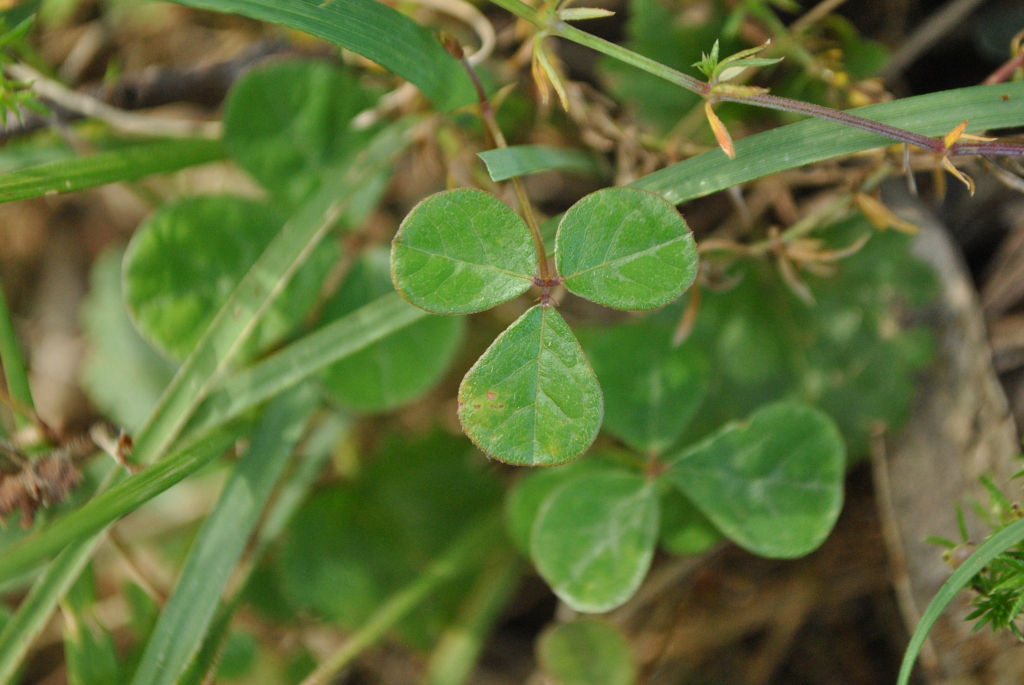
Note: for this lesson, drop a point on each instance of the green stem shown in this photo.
(475, 541)
(554, 26)
(14, 367)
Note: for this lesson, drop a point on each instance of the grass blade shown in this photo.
(124, 164)
(107, 507)
(519, 160)
(1012, 535)
(814, 140)
(293, 364)
(186, 617)
(257, 290)
(373, 30)
(289, 497)
(34, 612)
(13, 363)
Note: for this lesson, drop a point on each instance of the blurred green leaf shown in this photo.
(524, 499)
(594, 538)
(521, 160)
(652, 389)
(353, 545)
(111, 166)
(183, 264)
(287, 122)
(625, 248)
(462, 251)
(773, 484)
(371, 29)
(122, 374)
(532, 398)
(403, 365)
(586, 652)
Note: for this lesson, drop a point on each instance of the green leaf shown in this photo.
(625, 248)
(532, 399)
(372, 30)
(122, 374)
(773, 484)
(586, 652)
(524, 499)
(652, 389)
(814, 140)
(122, 164)
(521, 160)
(285, 123)
(354, 544)
(684, 529)
(1000, 542)
(89, 652)
(402, 366)
(225, 533)
(184, 262)
(594, 539)
(462, 251)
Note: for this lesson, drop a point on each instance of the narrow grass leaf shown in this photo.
(522, 160)
(35, 610)
(371, 29)
(1000, 542)
(773, 484)
(806, 142)
(125, 497)
(13, 363)
(112, 166)
(625, 248)
(594, 539)
(184, 621)
(256, 292)
(586, 652)
(532, 398)
(462, 251)
(305, 357)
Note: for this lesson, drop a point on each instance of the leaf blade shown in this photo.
(814, 140)
(532, 398)
(625, 248)
(462, 251)
(773, 484)
(521, 160)
(124, 164)
(370, 29)
(594, 539)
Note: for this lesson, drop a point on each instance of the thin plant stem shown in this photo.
(554, 26)
(475, 541)
(498, 140)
